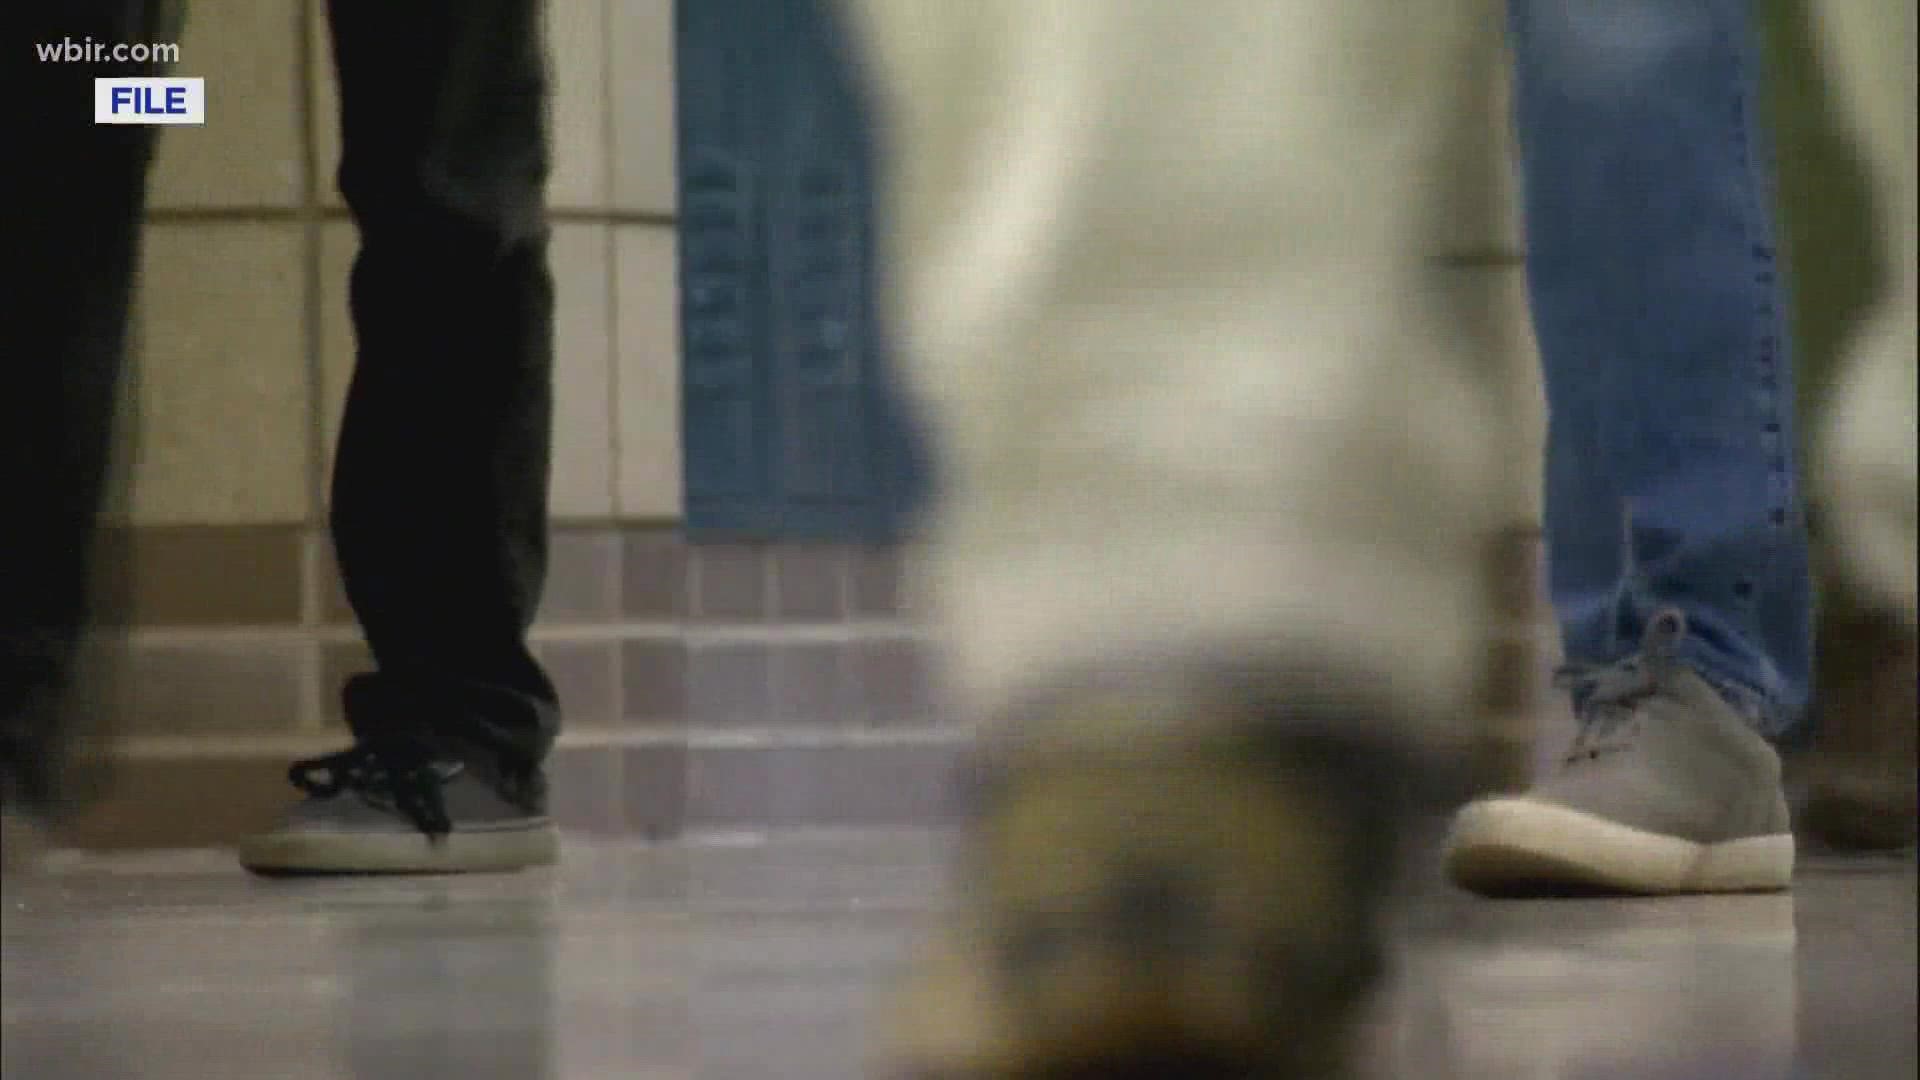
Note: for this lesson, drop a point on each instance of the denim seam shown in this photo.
(1774, 378)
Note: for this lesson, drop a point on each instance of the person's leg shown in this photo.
(1661, 318)
(440, 481)
(1674, 524)
(72, 246)
(1216, 493)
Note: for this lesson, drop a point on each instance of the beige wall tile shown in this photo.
(582, 260)
(249, 152)
(188, 801)
(242, 685)
(647, 344)
(643, 127)
(223, 425)
(577, 40)
(200, 575)
(584, 576)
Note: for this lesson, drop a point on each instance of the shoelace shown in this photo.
(1607, 697)
(407, 778)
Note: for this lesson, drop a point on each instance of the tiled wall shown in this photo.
(245, 319)
(713, 687)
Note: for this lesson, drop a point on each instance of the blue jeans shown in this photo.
(1661, 316)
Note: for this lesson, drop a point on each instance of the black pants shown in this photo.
(440, 485)
(440, 481)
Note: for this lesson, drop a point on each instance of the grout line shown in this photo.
(825, 738)
(311, 716)
(847, 558)
(769, 578)
(313, 692)
(577, 523)
(733, 836)
(617, 656)
(616, 459)
(743, 633)
(230, 745)
(327, 212)
(609, 129)
(561, 633)
(693, 595)
(223, 746)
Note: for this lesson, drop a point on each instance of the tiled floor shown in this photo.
(756, 960)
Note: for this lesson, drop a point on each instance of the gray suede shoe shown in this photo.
(1666, 790)
(371, 810)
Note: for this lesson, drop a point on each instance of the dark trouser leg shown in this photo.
(71, 246)
(440, 483)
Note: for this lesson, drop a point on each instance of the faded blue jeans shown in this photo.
(1660, 310)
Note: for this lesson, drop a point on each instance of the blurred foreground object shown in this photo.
(72, 248)
(1223, 485)
(1216, 505)
(1860, 773)
(1869, 439)
(1861, 779)
(1862, 776)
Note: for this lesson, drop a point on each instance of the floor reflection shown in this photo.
(757, 962)
(440, 990)
(1577, 990)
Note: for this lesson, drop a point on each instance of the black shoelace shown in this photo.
(405, 779)
(1607, 697)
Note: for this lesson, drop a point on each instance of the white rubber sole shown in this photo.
(313, 851)
(1510, 846)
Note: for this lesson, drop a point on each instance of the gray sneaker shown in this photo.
(391, 810)
(1666, 790)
